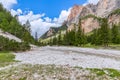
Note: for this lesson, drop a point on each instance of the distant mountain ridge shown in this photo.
(53, 30)
(90, 13)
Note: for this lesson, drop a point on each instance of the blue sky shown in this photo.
(42, 14)
(51, 8)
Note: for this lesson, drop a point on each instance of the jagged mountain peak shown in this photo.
(104, 7)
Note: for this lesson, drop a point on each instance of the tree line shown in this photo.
(10, 24)
(102, 36)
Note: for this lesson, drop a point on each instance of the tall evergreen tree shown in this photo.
(36, 36)
(115, 34)
(80, 37)
(59, 38)
(105, 33)
(27, 26)
(55, 41)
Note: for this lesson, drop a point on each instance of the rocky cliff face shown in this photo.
(75, 11)
(114, 19)
(90, 24)
(102, 9)
(54, 30)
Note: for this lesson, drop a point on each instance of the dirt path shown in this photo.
(72, 56)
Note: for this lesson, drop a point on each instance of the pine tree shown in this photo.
(36, 36)
(55, 41)
(115, 34)
(95, 37)
(27, 26)
(59, 38)
(80, 37)
(105, 33)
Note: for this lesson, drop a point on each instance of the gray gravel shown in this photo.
(72, 56)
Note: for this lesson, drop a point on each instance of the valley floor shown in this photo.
(72, 56)
(64, 63)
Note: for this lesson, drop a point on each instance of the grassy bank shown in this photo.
(6, 58)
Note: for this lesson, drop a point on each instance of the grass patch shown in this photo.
(99, 72)
(6, 58)
(111, 46)
(113, 72)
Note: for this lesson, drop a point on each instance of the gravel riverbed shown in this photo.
(71, 56)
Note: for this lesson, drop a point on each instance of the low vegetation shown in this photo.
(52, 72)
(91, 16)
(12, 45)
(115, 12)
(6, 58)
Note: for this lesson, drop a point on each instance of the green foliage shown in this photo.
(12, 45)
(91, 16)
(104, 36)
(10, 24)
(6, 58)
(71, 38)
(113, 72)
(101, 36)
(116, 34)
(105, 32)
(80, 37)
(56, 30)
(99, 72)
(117, 11)
(59, 41)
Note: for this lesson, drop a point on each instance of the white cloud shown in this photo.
(40, 23)
(8, 3)
(17, 12)
(63, 16)
(41, 26)
(47, 19)
(91, 1)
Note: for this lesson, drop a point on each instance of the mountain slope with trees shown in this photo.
(105, 35)
(91, 24)
(10, 25)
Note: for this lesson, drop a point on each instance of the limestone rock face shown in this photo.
(90, 24)
(50, 32)
(104, 7)
(87, 24)
(114, 19)
(75, 11)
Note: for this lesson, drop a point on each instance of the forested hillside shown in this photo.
(11, 25)
(103, 36)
